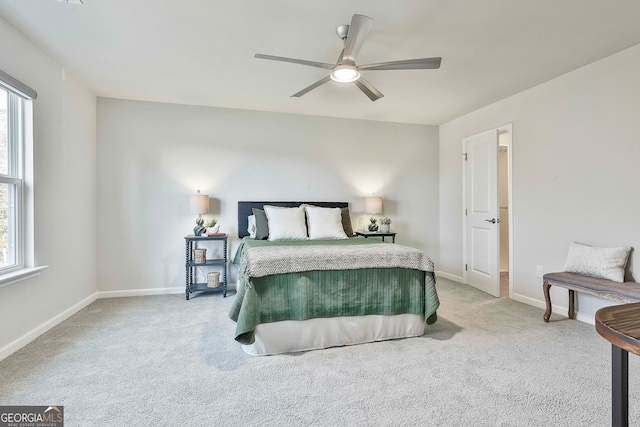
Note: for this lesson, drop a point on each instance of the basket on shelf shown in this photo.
(213, 279)
(199, 256)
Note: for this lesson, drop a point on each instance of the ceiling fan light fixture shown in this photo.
(345, 74)
(345, 69)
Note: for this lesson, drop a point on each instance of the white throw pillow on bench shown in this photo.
(604, 263)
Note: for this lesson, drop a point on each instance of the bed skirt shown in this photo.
(313, 334)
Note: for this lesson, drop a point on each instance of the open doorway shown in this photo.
(504, 141)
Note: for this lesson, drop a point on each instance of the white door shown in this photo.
(482, 212)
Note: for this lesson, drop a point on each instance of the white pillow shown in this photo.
(325, 223)
(251, 227)
(604, 263)
(286, 223)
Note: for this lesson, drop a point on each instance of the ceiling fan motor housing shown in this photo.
(342, 31)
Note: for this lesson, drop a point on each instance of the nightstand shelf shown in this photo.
(211, 264)
(201, 287)
(208, 262)
(366, 235)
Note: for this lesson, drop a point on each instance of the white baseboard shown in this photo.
(586, 319)
(450, 277)
(536, 303)
(139, 292)
(557, 309)
(20, 342)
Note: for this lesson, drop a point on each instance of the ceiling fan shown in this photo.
(345, 69)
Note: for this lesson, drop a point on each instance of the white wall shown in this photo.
(576, 169)
(65, 195)
(152, 157)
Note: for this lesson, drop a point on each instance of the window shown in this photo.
(16, 251)
(11, 143)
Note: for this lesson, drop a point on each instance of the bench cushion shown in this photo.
(627, 290)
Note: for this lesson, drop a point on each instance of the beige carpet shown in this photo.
(504, 284)
(164, 361)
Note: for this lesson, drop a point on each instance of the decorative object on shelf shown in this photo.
(200, 256)
(385, 224)
(373, 206)
(213, 279)
(213, 227)
(199, 204)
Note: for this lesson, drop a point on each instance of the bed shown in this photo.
(299, 295)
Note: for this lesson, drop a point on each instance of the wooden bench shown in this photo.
(618, 291)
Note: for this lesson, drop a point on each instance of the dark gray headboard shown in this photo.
(245, 209)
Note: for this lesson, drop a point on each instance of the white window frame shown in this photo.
(13, 179)
(20, 177)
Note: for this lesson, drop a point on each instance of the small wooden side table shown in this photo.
(620, 325)
(377, 234)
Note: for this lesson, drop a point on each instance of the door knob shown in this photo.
(493, 220)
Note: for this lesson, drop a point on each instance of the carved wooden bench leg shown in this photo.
(547, 298)
(572, 307)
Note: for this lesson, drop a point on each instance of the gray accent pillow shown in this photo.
(604, 263)
(262, 224)
(346, 222)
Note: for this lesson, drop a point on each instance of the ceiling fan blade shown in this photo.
(358, 31)
(368, 89)
(312, 87)
(407, 64)
(296, 61)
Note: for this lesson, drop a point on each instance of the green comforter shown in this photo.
(317, 294)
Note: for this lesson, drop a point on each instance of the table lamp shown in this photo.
(199, 204)
(373, 206)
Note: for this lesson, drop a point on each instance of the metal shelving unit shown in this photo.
(191, 266)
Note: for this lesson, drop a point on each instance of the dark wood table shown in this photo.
(620, 325)
(367, 234)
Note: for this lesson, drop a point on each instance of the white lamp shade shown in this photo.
(199, 204)
(374, 205)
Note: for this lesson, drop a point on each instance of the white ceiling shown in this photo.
(200, 52)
